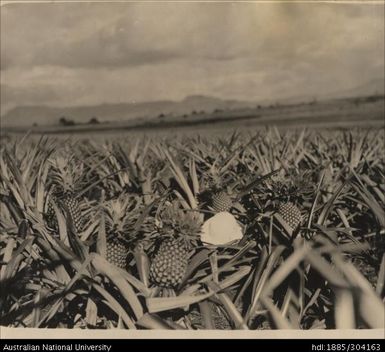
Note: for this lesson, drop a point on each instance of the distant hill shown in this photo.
(44, 115)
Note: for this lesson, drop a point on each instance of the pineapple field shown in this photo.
(259, 229)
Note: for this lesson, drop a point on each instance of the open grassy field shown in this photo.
(258, 229)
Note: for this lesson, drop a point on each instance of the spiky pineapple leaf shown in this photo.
(125, 288)
(159, 304)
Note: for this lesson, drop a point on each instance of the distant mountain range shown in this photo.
(44, 115)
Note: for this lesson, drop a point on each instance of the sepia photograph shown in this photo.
(192, 166)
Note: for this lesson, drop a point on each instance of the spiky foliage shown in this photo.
(292, 185)
(264, 281)
(119, 213)
(169, 264)
(123, 167)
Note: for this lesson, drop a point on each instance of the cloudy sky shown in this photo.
(63, 54)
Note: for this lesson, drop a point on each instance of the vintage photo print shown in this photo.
(192, 169)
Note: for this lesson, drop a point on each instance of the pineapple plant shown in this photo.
(118, 220)
(221, 193)
(181, 232)
(65, 182)
(290, 188)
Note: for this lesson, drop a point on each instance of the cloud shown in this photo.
(46, 34)
(100, 34)
(88, 53)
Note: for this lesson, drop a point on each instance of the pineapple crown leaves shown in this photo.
(66, 173)
(291, 184)
(180, 222)
(215, 182)
(121, 213)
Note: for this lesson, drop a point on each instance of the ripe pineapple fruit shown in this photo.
(290, 214)
(169, 264)
(64, 180)
(116, 252)
(117, 216)
(221, 201)
(50, 211)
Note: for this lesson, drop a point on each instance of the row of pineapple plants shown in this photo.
(268, 230)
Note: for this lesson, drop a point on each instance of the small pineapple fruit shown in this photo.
(67, 202)
(161, 187)
(72, 204)
(290, 214)
(116, 252)
(169, 264)
(117, 215)
(221, 201)
(50, 214)
(63, 193)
